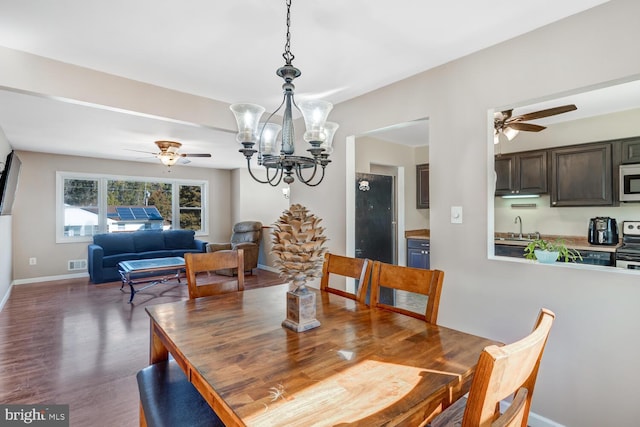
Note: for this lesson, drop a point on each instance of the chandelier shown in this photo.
(277, 154)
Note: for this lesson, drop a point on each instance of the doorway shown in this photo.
(375, 224)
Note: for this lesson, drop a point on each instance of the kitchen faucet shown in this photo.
(515, 222)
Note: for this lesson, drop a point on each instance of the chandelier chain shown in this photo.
(287, 55)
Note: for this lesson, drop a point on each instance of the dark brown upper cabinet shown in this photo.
(631, 150)
(581, 175)
(521, 173)
(422, 186)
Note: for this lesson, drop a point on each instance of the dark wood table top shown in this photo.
(362, 366)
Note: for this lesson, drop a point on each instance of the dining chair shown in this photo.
(408, 279)
(167, 398)
(501, 372)
(201, 267)
(355, 268)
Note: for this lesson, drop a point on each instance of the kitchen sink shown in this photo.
(514, 239)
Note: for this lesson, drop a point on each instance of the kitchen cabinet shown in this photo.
(422, 186)
(631, 150)
(581, 175)
(418, 253)
(597, 258)
(521, 173)
(592, 257)
(514, 251)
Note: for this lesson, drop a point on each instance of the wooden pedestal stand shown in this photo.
(301, 310)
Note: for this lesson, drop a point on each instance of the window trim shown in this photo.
(102, 179)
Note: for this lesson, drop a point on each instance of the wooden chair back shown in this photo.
(515, 414)
(502, 371)
(415, 280)
(201, 285)
(356, 268)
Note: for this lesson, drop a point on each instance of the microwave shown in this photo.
(630, 183)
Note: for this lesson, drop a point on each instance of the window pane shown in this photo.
(138, 205)
(80, 207)
(191, 207)
(190, 196)
(191, 219)
(126, 205)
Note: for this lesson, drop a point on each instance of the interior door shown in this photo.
(375, 218)
(375, 223)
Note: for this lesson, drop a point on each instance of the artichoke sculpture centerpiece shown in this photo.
(298, 244)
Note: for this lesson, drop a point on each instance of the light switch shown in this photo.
(456, 214)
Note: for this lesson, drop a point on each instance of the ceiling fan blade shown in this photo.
(527, 127)
(544, 113)
(140, 151)
(195, 155)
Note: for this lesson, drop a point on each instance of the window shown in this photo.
(89, 205)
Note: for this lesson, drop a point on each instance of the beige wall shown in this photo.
(592, 352)
(253, 201)
(34, 210)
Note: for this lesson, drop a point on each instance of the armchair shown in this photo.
(246, 236)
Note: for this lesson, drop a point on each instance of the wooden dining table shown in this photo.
(362, 367)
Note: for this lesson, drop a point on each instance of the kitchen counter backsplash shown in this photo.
(575, 242)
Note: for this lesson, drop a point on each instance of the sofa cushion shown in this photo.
(179, 239)
(181, 252)
(146, 241)
(156, 254)
(115, 243)
(113, 260)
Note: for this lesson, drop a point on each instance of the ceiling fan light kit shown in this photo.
(277, 155)
(509, 126)
(169, 154)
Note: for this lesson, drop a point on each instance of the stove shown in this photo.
(628, 255)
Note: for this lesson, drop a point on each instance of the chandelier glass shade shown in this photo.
(274, 144)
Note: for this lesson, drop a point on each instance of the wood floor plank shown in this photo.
(72, 342)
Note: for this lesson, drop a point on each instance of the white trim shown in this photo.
(50, 278)
(401, 242)
(6, 297)
(268, 268)
(535, 420)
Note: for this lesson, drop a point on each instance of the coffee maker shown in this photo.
(603, 231)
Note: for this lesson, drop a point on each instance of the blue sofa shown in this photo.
(108, 249)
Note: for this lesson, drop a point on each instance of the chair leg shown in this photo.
(143, 420)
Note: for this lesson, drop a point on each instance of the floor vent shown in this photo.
(77, 264)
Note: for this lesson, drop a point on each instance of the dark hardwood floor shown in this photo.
(72, 342)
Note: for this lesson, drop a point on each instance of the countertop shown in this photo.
(423, 233)
(574, 242)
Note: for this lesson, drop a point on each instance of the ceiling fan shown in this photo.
(169, 154)
(503, 122)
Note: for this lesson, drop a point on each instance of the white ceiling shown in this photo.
(229, 51)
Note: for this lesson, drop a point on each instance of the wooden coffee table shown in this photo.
(151, 271)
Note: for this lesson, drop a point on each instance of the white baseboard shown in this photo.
(535, 420)
(50, 278)
(85, 274)
(6, 297)
(266, 267)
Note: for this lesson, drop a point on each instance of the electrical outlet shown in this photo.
(33, 261)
